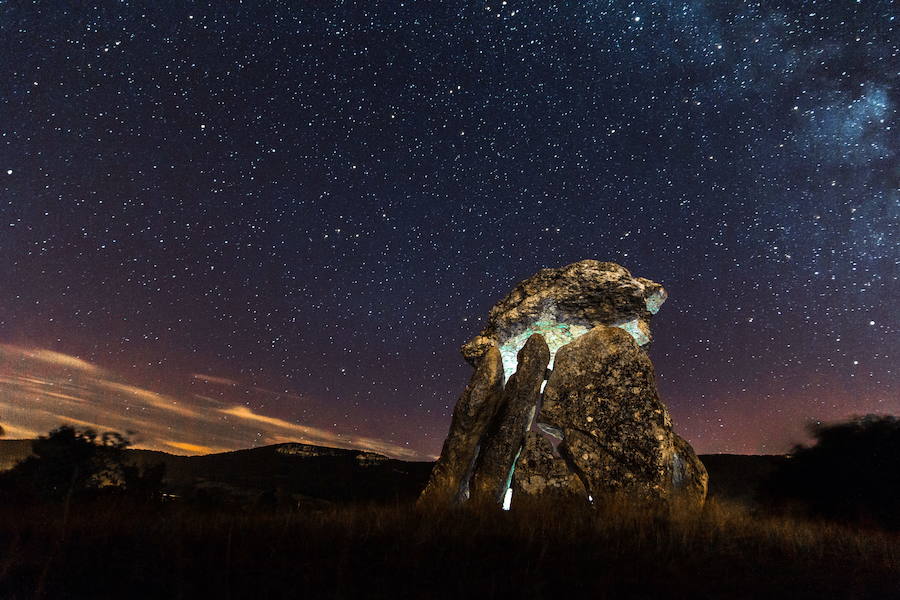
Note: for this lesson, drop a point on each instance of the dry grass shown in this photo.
(535, 551)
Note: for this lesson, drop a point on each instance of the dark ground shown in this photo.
(110, 550)
(265, 523)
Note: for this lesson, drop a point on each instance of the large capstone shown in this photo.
(517, 409)
(474, 412)
(564, 303)
(541, 473)
(616, 433)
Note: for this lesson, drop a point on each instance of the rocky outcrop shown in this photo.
(583, 328)
(540, 472)
(474, 413)
(689, 477)
(517, 409)
(567, 302)
(616, 433)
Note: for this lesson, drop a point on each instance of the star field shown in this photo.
(322, 201)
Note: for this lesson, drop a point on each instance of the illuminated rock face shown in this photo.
(501, 447)
(616, 433)
(556, 335)
(540, 472)
(562, 304)
(590, 323)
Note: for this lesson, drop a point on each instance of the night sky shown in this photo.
(231, 224)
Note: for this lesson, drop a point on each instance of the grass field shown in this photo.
(113, 549)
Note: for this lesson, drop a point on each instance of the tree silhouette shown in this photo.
(851, 473)
(69, 462)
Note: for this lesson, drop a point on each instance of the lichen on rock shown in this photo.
(616, 432)
(540, 472)
(566, 302)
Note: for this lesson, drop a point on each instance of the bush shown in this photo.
(68, 462)
(852, 472)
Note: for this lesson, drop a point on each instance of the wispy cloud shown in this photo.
(50, 357)
(315, 435)
(42, 389)
(214, 379)
(267, 392)
(193, 448)
(153, 399)
(242, 412)
(15, 432)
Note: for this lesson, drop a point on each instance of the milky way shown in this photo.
(320, 203)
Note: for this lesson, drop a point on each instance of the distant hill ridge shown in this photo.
(14, 451)
(295, 470)
(306, 471)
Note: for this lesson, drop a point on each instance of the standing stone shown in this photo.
(474, 412)
(540, 473)
(617, 434)
(689, 476)
(501, 447)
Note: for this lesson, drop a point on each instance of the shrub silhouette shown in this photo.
(851, 473)
(69, 462)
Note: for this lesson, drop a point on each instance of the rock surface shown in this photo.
(581, 328)
(539, 472)
(617, 434)
(689, 477)
(474, 412)
(517, 410)
(568, 301)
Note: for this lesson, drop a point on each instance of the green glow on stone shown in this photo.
(506, 498)
(635, 331)
(655, 300)
(556, 335)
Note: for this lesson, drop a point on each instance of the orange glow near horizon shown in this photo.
(41, 390)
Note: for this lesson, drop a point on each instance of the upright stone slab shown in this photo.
(689, 477)
(540, 473)
(617, 434)
(474, 412)
(504, 441)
